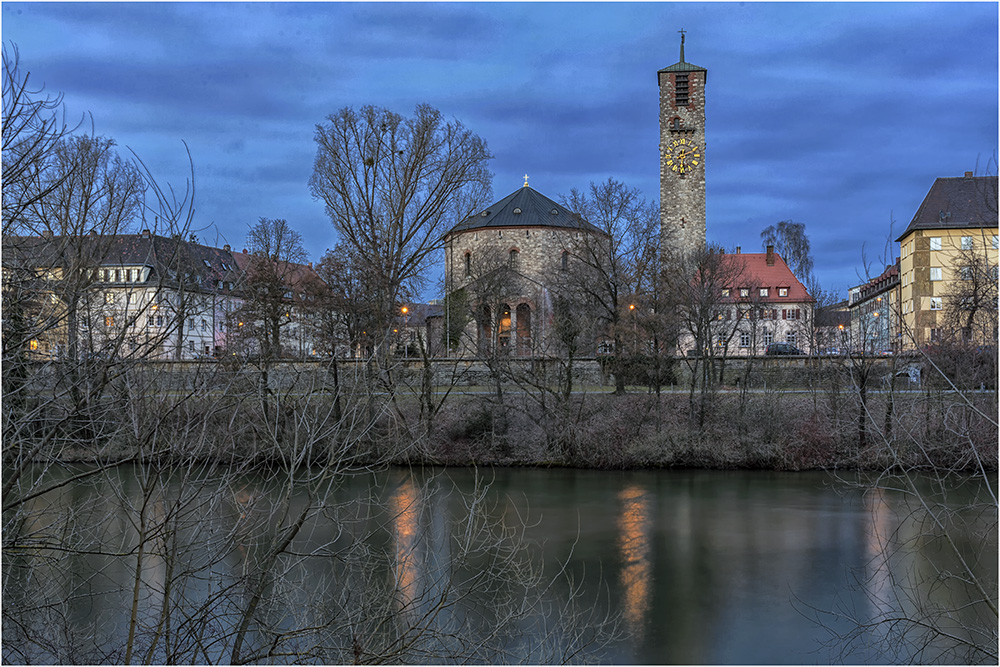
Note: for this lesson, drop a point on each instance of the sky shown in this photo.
(836, 115)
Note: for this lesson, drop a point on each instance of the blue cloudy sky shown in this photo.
(836, 115)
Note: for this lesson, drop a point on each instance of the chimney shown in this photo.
(226, 248)
(47, 234)
(737, 250)
(145, 233)
(244, 251)
(770, 255)
(310, 265)
(968, 174)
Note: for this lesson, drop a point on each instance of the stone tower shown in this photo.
(682, 157)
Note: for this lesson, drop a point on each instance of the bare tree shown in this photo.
(791, 242)
(697, 286)
(270, 287)
(391, 184)
(609, 265)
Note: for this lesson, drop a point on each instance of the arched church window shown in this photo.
(565, 260)
(468, 264)
(514, 259)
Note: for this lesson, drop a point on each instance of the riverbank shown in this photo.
(778, 431)
(339, 417)
(767, 431)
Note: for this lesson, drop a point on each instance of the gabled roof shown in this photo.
(757, 273)
(525, 207)
(957, 203)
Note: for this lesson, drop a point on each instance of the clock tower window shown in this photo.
(681, 90)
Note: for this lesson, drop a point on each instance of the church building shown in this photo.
(501, 265)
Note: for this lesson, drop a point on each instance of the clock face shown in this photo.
(683, 155)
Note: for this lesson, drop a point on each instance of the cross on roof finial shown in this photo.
(525, 180)
(682, 31)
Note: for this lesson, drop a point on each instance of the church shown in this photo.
(504, 264)
(501, 263)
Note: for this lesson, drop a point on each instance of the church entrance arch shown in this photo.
(503, 330)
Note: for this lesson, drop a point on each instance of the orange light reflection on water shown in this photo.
(633, 543)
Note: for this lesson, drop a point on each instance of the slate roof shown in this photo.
(684, 67)
(167, 256)
(957, 203)
(525, 207)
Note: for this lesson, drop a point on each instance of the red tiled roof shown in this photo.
(756, 274)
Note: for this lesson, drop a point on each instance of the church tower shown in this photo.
(682, 156)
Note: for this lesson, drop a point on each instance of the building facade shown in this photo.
(141, 296)
(948, 265)
(682, 157)
(875, 313)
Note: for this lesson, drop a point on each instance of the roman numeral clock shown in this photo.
(682, 157)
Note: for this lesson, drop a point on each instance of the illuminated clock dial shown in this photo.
(683, 155)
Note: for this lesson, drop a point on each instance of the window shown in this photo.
(744, 291)
(565, 260)
(725, 291)
(763, 291)
(965, 272)
(744, 339)
(204, 325)
(935, 335)
(109, 321)
(996, 242)
(191, 345)
(935, 303)
(149, 320)
(782, 291)
(514, 260)
(159, 320)
(935, 273)
(109, 298)
(106, 276)
(791, 337)
(767, 338)
(118, 275)
(935, 243)
(468, 264)
(967, 243)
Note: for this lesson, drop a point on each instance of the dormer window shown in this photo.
(763, 291)
(782, 291)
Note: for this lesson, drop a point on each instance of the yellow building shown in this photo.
(948, 265)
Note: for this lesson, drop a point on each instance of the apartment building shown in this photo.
(948, 265)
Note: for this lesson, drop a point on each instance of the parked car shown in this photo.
(775, 349)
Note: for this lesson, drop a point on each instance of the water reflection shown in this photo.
(700, 566)
(405, 508)
(633, 546)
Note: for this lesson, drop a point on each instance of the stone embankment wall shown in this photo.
(588, 374)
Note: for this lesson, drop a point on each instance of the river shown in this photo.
(536, 565)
